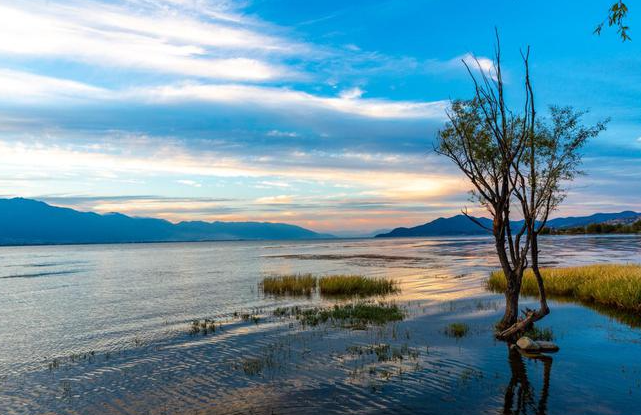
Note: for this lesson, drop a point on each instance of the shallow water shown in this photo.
(103, 329)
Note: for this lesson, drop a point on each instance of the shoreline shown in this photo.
(390, 238)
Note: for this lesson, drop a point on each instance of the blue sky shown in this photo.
(318, 113)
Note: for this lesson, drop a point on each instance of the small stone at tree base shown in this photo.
(527, 344)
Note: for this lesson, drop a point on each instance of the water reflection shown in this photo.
(520, 394)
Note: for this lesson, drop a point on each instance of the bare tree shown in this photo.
(514, 159)
(550, 160)
(485, 140)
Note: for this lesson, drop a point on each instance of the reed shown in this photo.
(612, 285)
(329, 285)
(298, 284)
(356, 285)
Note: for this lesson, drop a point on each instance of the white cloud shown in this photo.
(18, 86)
(117, 36)
(277, 133)
(352, 93)
(191, 183)
(283, 97)
(274, 200)
(74, 163)
(275, 184)
(475, 63)
(22, 86)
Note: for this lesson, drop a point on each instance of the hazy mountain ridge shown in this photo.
(31, 222)
(461, 225)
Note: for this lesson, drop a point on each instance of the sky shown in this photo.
(317, 113)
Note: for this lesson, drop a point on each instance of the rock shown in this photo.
(547, 346)
(527, 344)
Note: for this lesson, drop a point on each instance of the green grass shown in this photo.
(355, 285)
(330, 285)
(457, 330)
(612, 285)
(536, 333)
(355, 315)
(300, 284)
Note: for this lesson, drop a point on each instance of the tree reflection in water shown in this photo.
(520, 396)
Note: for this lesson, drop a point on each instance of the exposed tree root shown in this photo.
(524, 324)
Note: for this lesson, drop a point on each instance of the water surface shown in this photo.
(103, 329)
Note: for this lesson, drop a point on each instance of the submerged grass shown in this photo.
(203, 327)
(356, 285)
(299, 284)
(457, 330)
(613, 285)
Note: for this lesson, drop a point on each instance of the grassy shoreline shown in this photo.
(612, 285)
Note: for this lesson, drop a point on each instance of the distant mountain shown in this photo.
(359, 234)
(456, 225)
(576, 221)
(30, 222)
(461, 225)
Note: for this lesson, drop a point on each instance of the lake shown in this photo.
(105, 329)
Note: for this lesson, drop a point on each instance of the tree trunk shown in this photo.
(511, 331)
(544, 309)
(511, 301)
(512, 279)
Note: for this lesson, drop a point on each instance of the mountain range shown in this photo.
(461, 225)
(31, 222)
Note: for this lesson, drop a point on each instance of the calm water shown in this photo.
(103, 329)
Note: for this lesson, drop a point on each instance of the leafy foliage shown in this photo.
(617, 14)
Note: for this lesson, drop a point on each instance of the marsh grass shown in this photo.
(385, 352)
(330, 285)
(612, 285)
(298, 284)
(353, 315)
(457, 330)
(356, 285)
(203, 327)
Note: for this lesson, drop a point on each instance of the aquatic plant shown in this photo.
(536, 333)
(457, 330)
(253, 366)
(298, 284)
(353, 315)
(614, 285)
(203, 327)
(356, 285)
(385, 352)
(329, 285)
(366, 313)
